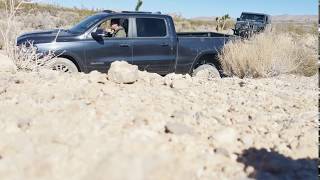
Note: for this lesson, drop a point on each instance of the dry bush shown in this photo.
(270, 54)
(26, 56)
(28, 59)
(9, 26)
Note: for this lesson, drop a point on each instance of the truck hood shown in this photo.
(38, 37)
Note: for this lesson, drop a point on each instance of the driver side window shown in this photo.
(114, 28)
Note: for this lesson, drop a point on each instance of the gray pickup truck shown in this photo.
(151, 43)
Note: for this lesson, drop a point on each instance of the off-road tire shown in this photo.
(63, 65)
(213, 71)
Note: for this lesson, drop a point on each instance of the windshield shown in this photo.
(86, 24)
(253, 17)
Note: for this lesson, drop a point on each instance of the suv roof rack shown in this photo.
(139, 12)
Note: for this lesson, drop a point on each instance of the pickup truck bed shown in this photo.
(202, 34)
(194, 45)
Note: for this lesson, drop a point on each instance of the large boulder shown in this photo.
(7, 64)
(123, 73)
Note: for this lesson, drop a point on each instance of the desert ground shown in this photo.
(87, 126)
(260, 122)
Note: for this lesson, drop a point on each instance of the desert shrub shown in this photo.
(230, 23)
(270, 54)
(7, 24)
(27, 58)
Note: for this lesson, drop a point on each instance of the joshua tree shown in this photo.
(221, 22)
(139, 4)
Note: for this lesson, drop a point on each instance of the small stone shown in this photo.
(198, 115)
(283, 148)
(247, 140)
(180, 84)
(226, 136)
(97, 77)
(222, 151)
(168, 79)
(188, 77)
(242, 84)
(23, 125)
(18, 81)
(178, 129)
(249, 170)
(48, 74)
(150, 77)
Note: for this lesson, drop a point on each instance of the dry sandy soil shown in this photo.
(57, 126)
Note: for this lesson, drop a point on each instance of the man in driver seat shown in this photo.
(116, 29)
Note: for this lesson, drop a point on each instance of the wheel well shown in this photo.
(208, 59)
(72, 60)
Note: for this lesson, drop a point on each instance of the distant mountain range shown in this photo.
(295, 18)
(278, 18)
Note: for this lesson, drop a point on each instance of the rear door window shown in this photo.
(151, 27)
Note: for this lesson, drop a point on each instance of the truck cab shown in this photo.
(149, 43)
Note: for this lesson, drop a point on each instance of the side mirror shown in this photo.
(238, 19)
(98, 34)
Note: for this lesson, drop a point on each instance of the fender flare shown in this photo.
(74, 58)
(199, 56)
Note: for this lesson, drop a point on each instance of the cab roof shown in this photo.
(130, 12)
(255, 13)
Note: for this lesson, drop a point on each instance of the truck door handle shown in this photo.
(124, 45)
(164, 44)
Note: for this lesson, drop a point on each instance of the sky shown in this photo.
(200, 8)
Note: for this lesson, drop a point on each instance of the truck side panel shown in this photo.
(190, 49)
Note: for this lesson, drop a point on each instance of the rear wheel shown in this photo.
(206, 71)
(63, 65)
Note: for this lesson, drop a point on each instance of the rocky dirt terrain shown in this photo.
(75, 126)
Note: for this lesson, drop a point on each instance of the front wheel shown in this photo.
(206, 71)
(63, 65)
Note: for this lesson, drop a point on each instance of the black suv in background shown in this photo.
(252, 23)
